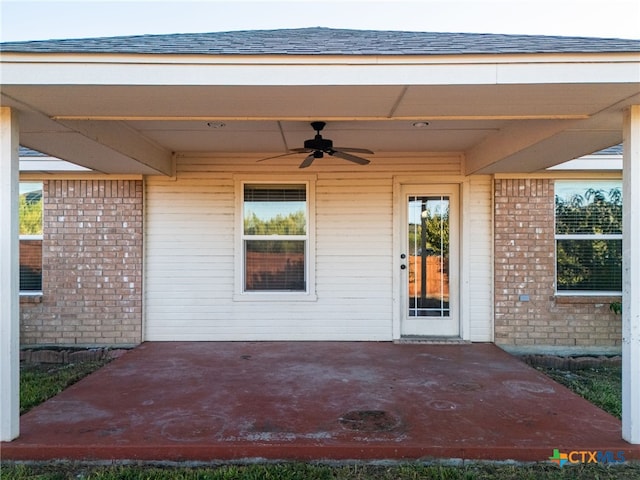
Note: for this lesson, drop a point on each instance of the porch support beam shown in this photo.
(126, 141)
(631, 277)
(9, 277)
(489, 155)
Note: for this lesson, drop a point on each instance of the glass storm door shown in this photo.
(429, 262)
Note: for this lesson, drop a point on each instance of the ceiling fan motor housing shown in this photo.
(318, 143)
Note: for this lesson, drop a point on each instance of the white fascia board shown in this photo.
(49, 164)
(592, 162)
(576, 72)
(53, 69)
(245, 75)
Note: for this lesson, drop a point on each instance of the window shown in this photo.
(588, 237)
(30, 226)
(275, 237)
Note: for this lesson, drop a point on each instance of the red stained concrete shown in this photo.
(206, 401)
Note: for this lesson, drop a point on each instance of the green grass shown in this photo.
(40, 382)
(298, 471)
(601, 386)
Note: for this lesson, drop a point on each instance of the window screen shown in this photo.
(30, 226)
(588, 236)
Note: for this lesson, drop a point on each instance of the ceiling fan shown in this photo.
(316, 148)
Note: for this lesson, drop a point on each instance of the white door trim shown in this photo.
(462, 284)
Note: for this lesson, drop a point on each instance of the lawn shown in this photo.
(600, 385)
(300, 471)
(38, 382)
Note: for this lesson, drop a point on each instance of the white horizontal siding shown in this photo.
(189, 255)
(354, 248)
(480, 226)
(191, 245)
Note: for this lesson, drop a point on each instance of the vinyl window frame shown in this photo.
(242, 295)
(33, 237)
(581, 237)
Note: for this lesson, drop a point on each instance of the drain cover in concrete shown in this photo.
(369, 421)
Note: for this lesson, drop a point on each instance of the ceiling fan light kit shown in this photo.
(316, 148)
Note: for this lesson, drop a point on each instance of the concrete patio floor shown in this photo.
(204, 401)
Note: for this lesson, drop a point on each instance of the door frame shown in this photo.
(460, 284)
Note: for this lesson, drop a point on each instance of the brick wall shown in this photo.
(92, 265)
(525, 265)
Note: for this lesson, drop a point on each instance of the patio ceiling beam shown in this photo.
(487, 156)
(631, 277)
(289, 118)
(121, 138)
(105, 147)
(9, 296)
(531, 146)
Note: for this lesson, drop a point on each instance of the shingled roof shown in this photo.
(327, 41)
(614, 150)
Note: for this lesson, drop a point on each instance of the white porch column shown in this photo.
(9, 277)
(631, 278)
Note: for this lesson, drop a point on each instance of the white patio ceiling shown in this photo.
(131, 113)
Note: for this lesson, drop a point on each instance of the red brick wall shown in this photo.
(525, 265)
(92, 265)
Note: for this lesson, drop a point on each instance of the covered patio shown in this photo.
(363, 401)
(455, 108)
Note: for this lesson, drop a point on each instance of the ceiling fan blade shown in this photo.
(276, 156)
(354, 150)
(349, 157)
(300, 150)
(307, 161)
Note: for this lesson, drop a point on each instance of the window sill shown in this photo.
(574, 299)
(30, 297)
(275, 297)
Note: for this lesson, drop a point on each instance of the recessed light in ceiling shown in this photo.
(216, 124)
(420, 124)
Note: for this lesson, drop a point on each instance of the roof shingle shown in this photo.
(327, 41)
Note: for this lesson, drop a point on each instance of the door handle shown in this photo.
(403, 266)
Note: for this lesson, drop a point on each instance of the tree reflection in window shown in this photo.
(588, 229)
(275, 237)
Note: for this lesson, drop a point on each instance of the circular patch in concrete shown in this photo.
(369, 421)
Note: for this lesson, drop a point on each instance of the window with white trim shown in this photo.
(588, 234)
(30, 226)
(275, 237)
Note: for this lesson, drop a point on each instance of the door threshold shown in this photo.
(411, 339)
